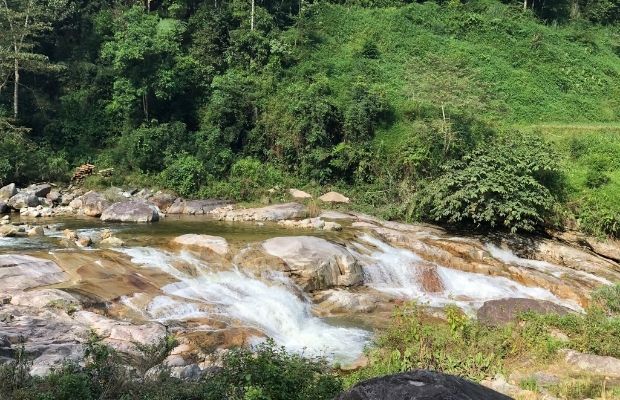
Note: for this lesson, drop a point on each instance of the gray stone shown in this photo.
(40, 190)
(131, 211)
(593, 364)
(497, 312)
(8, 191)
(23, 200)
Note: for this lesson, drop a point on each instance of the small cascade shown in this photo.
(397, 272)
(268, 306)
(508, 257)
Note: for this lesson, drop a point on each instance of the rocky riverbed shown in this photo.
(215, 275)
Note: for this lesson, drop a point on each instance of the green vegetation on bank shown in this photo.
(395, 103)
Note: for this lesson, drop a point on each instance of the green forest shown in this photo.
(481, 114)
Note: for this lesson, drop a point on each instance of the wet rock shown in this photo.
(497, 312)
(429, 279)
(593, 364)
(111, 242)
(203, 242)
(315, 262)
(299, 194)
(19, 272)
(84, 241)
(8, 191)
(334, 197)
(22, 200)
(337, 301)
(69, 234)
(276, 212)
(93, 204)
(420, 385)
(36, 231)
(131, 211)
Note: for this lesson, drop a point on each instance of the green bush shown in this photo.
(507, 183)
(184, 173)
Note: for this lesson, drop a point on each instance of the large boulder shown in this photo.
(131, 211)
(8, 191)
(4, 208)
(420, 385)
(195, 207)
(215, 244)
(276, 212)
(8, 231)
(93, 204)
(40, 190)
(23, 200)
(299, 194)
(497, 312)
(20, 272)
(315, 262)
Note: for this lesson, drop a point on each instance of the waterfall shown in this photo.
(265, 305)
(397, 272)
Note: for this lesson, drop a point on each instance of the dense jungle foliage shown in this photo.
(479, 113)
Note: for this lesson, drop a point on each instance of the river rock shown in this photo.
(111, 241)
(593, 364)
(131, 211)
(420, 385)
(334, 197)
(497, 312)
(40, 190)
(20, 272)
(276, 212)
(213, 243)
(195, 207)
(299, 194)
(162, 200)
(36, 231)
(317, 263)
(4, 207)
(8, 231)
(22, 200)
(53, 196)
(8, 191)
(93, 204)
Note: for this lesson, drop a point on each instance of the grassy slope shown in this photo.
(494, 61)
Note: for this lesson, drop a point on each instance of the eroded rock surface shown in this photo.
(131, 211)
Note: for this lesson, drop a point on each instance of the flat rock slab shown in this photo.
(420, 385)
(20, 272)
(277, 212)
(216, 244)
(194, 207)
(131, 211)
(502, 311)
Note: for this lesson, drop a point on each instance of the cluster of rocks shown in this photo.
(9, 229)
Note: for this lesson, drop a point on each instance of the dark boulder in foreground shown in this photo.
(498, 312)
(131, 211)
(420, 385)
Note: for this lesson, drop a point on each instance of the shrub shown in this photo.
(184, 173)
(507, 183)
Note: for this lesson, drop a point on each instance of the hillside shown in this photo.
(392, 104)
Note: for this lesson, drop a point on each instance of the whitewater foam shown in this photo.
(268, 306)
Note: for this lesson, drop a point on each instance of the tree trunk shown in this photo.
(524, 5)
(16, 90)
(252, 17)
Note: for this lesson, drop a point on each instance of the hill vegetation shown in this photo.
(480, 114)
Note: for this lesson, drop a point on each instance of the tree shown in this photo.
(22, 22)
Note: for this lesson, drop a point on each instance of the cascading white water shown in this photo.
(393, 271)
(267, 306)
(508, 257)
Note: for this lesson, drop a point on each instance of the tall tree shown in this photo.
(22, 22)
